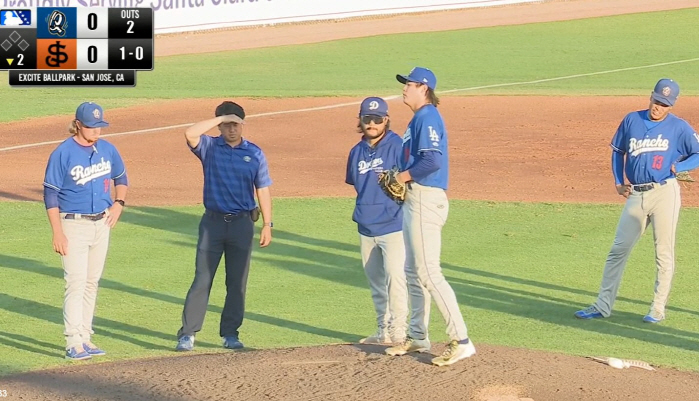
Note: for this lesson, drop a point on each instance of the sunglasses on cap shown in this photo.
(369, 118)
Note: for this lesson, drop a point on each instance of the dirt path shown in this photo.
(501, 149)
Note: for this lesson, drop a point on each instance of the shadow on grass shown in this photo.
(326, 264)
(107, 327)
(38, 195)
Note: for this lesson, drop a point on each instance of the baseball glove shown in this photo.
(390, 185)
(684, 176)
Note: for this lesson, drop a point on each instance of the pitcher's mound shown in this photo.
(354, 372)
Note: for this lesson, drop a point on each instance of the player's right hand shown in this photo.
(60, 244)
(624, 190)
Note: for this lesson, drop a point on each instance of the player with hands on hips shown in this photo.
(77, 195)
(425, 169)
(235, 170)
(646, 148)
(380, 223)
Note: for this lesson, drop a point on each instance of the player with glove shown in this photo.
(425, 166)
(379, 220)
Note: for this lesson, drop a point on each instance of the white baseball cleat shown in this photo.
(454, 353)
(380, 337)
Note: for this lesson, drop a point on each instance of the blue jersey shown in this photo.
(82, 175)
(231, 174)
(426, 133)
(651, 147)
(374, 212)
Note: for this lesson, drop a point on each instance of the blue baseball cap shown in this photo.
(666, 92)
(374, 106)
(421, 75)
(91, 115)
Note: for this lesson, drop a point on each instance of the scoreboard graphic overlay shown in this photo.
(76, 46)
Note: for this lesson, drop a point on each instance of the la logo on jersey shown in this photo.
(366, 166)
(636, 146)
(82, 175)
(434, 137)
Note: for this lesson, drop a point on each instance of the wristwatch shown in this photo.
(120, 201)
(270, 224)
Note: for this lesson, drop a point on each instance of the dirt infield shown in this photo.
(502, 148)
(354, 372)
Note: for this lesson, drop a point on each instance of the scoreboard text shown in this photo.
(69, 46)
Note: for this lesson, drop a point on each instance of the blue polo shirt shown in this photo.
(82, 175)
(374, 212)
(231, 174)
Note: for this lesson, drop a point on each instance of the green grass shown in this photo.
(519, 271)
(461, 59)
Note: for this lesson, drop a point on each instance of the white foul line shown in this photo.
(338, 105)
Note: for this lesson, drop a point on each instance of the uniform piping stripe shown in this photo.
(617, 149)
(46, 184)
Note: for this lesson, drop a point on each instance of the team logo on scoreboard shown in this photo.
(57, 23)
(15, 17)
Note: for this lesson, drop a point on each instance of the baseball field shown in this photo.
(531, 96)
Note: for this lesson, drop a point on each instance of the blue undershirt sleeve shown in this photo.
(427, 163)
(618, 167)
(121, 180)
(50, 197)
(688, 164)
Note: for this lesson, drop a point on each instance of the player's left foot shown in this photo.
(590, 313)
(454, 353)
(93, 350)
(653, 317)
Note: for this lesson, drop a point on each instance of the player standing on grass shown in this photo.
(646, 147)
(81, 212)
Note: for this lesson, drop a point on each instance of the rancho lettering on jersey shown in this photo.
(82, 175)
(636, 147)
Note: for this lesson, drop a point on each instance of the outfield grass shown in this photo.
(519, 271)
(461, 59)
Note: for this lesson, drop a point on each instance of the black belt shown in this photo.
(647, 187)
(93, 217)
(227, 217)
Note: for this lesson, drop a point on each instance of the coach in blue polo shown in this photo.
(235, 170)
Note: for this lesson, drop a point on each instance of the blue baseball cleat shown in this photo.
(77, 354)
(232, 342)
(93, 350)
(653, 318)
(589, 313)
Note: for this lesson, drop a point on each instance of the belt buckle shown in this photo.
(228, 216)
